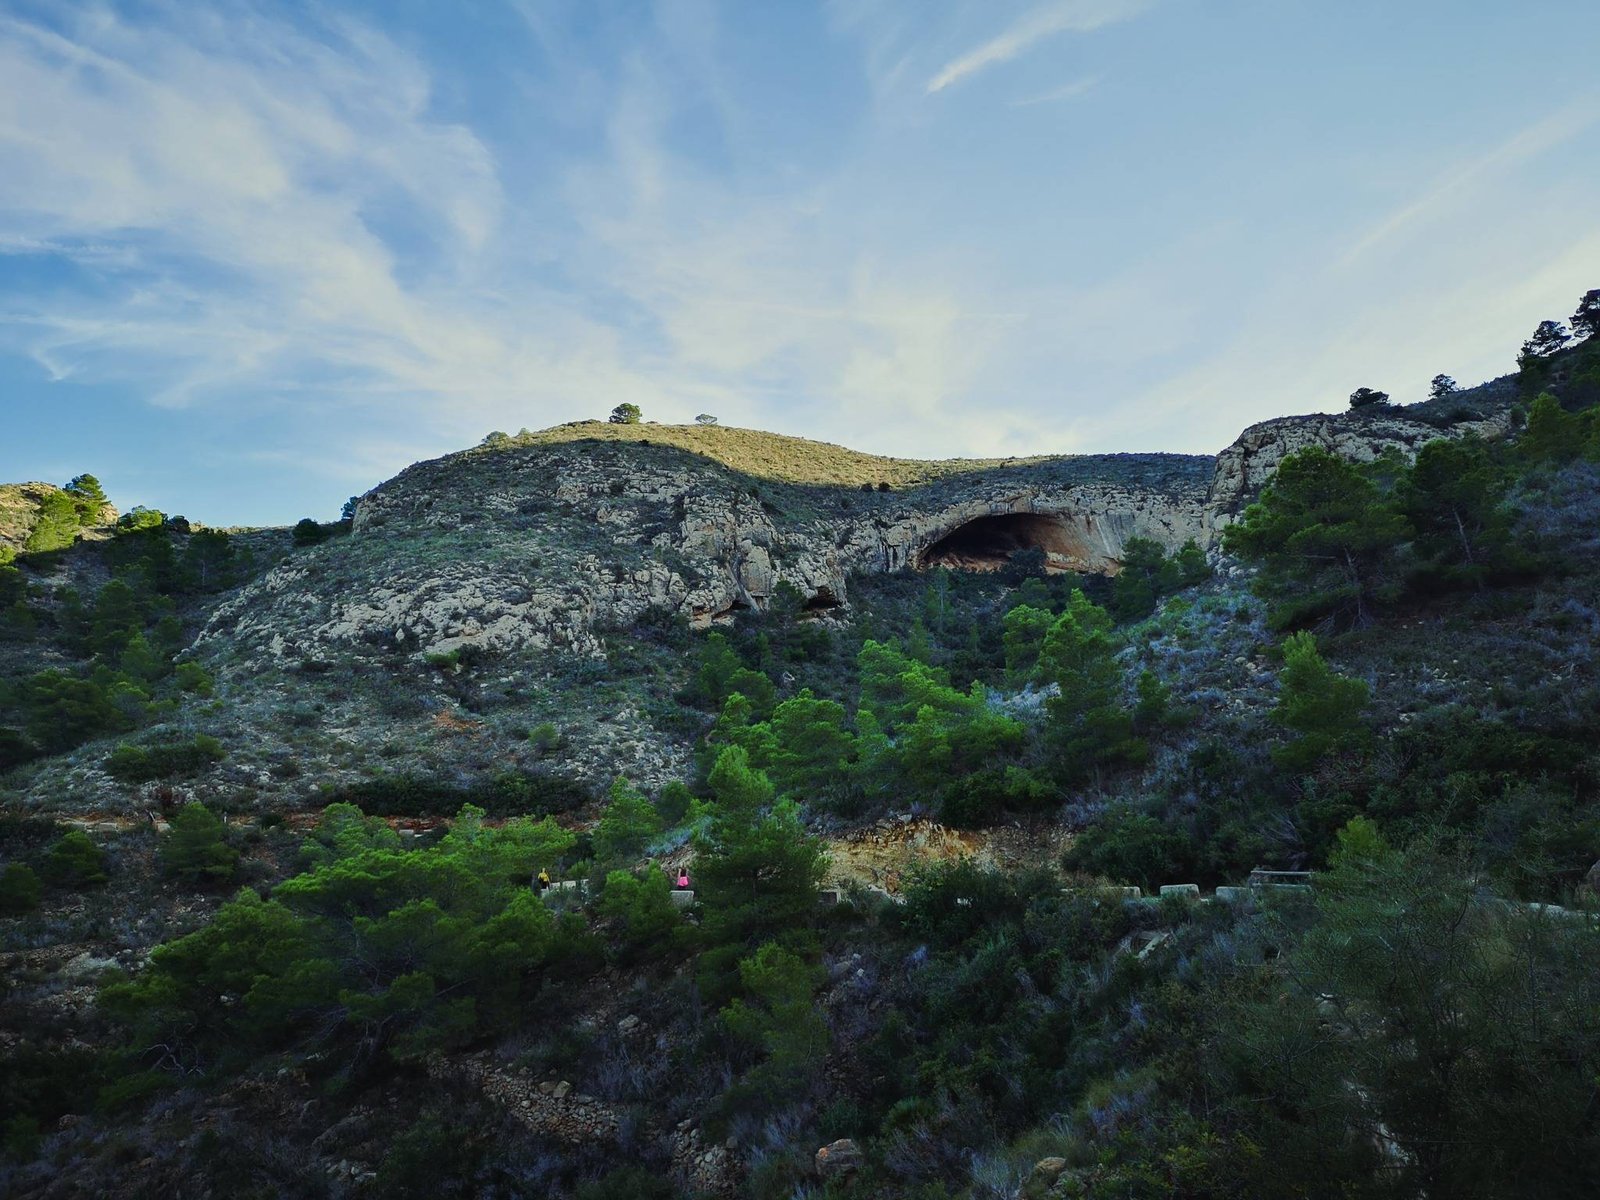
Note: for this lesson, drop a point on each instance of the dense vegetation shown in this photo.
(1397, 695)
(104, 650)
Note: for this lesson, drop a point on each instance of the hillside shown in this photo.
(22, 504)
(926, 756)
(763, 455)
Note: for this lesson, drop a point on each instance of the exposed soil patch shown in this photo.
(881, 855)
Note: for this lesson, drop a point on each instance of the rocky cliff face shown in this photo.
(535, 548)
(1361, 436)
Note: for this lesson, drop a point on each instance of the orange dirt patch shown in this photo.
(881, 855)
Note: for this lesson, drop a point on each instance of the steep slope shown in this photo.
(531, 548)
(522, 583)
(20, 506)
(1359, 435)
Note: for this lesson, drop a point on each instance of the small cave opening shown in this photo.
(822, 603)
(989, 543)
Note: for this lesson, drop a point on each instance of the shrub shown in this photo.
(1324, 708)
(544, 739)
(142, 764)
(628, 1183)
(19, 890)
(1134, 847)
(15, 749)
(308, 533)
(192, 677)
(57, 524)
(195, 849)
(436, 1157)
(75, 861)
(642, 906)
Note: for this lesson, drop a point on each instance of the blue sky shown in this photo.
(255, 258)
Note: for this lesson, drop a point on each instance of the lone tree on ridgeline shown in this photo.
(1546, 340)
(705, 419)
(1440, 387)
(626, 414)
(88, 497)
(1586, 321)
(1367, 398)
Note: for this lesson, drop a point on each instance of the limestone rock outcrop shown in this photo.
(1361, 436)
(536, 549)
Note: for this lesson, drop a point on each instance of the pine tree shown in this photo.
(1323, 707)
(196, 850)
(1454, 498)
(757, 869)
(1547, 339)
(88, 497)
(1087, 723)
(1553, 435)
(1586, 321)
(1327, 538)
(627, 825)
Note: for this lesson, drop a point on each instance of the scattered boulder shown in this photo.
(86, 966)
(838, 1158)
(1045, 1173)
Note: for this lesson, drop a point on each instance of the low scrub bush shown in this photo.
(167, 760)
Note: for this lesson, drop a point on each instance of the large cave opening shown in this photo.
(989, 543)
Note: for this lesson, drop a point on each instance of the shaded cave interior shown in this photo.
(989, 543)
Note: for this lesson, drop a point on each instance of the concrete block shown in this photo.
(1185, 891)
(1232, 895)
(682, 898)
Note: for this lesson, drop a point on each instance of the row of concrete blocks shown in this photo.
(1191, 891)
(681, 897)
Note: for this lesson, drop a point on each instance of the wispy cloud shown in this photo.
(295, 228)
(1539, 138)
(272, 218)
(1046, 21)
(1068, 92)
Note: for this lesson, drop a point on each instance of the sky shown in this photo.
(257, 257)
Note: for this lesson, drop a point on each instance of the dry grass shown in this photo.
(770, 455)
(19, 510)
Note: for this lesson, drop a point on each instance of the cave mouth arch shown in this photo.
(989, 543)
